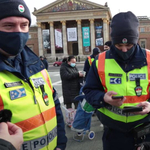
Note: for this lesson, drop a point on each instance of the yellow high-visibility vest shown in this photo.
(33, 108)
(90, 60)
(113, 78)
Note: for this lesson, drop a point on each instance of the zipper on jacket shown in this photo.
(125, 66)
(126, 77)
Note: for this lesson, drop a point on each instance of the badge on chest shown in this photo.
(38, 81)
(18, 93)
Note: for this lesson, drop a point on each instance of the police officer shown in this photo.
(121, 71)
(44, 61)
(25, 85)
(107, 45)
(89, 60)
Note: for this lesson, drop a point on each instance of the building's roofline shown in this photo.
(143, 18)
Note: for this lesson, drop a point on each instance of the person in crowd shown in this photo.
(89, 60)
(70, 77)
(107, 45)
(25, 85)
(11, 136)
(121, 71)
(44, 61)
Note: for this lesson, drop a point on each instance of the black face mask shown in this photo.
(125, 55)
(13, 42)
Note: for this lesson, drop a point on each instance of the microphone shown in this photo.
(5, 115)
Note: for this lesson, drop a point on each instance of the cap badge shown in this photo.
(21, 8)
(124, 40)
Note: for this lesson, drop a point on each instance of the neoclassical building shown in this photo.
(71, 27)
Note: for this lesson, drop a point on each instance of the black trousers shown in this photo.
(69, 105)
(116, 140)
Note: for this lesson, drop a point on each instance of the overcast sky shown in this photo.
(138, 7)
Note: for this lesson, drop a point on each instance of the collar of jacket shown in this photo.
(137, 60)
(28, 59)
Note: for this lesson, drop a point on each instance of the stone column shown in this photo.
(64, 38)
(52, 38)
(92, 33)
(108, 30)
(40, 39)
(80, 44)
(105, 30)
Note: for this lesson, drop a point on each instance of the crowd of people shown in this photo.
(122, 69)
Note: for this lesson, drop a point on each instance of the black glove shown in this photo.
(5, 115)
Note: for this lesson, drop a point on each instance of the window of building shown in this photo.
(98, 32)
(142, 29)
(58, 35)
(46, 38)
(86, 37)
(143, 43)
(30, 36)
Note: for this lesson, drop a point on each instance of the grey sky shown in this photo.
(138, 7)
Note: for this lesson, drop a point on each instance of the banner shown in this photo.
(46, 39)
(98, 36)
(86, 36)
(99, 42)
(58, 38)
(72, 34)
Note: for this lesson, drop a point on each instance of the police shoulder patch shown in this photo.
(18, 93)
(115, 80)
(38, 81)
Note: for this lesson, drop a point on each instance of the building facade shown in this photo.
(144, 32)
(75, 27)
(71, 27)
(33, 39)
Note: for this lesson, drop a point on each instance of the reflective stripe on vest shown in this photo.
(108, 71)
(41, 142)
(90, 60)
(28, 124)
(28, 108)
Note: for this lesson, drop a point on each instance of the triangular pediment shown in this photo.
(69, 5)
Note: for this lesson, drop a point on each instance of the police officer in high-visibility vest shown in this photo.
(123, 71)
(25, 85)
(89, 60)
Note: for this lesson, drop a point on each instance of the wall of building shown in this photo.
(144, 31)
(32, 42)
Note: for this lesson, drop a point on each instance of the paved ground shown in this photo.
(86, 144)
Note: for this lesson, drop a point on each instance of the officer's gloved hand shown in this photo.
(144, 146)
(5, 115)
